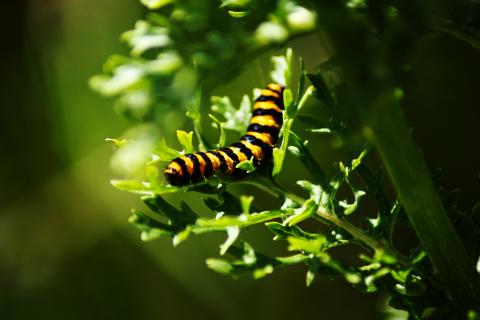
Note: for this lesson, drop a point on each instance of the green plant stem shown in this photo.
(275, 189)
(417, 193)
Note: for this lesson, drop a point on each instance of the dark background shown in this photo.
(66, 248)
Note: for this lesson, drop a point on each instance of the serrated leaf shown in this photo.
(166, 153)
(151, 229)
(235, 119)
(185, 140)
(226, 202)
(178, 218)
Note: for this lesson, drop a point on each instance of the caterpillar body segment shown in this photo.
(257, 143)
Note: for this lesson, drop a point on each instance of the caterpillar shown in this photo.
(258, 142)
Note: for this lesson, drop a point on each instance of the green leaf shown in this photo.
(301, 152)
(246, 202)
(322, 91)
(117, 142)
(235, 119)
(226, 202)
(279, 153)
(370, 279)
(151, 229)
(232, 233)
(133, 186)
(357, 161)
(166, 153)
(310, 277)
(145, 37)
(249, 256)
(240, 221)
(247, 165)
(185, 140)
(165, 64)
(314, 190)
(352, 207)
(282, 232)
(270, 32)
(290, 107)
(238, 14)
(220, 265)
(282, 68)
(262, 272)
(114, 61)
(300, 19)
(219, 125)
(308, 209)
(235, 3)
(181, 236)
(124, 77)
(385, 256)
(278, 157)
(178, 218)
(401, 275)
(311, 246)
(156, 4)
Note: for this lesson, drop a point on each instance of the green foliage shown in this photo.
(188, 48)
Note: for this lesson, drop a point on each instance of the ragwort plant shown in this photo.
(185, 49)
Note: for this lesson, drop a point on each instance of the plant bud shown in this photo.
(270, 32)
(301, 19)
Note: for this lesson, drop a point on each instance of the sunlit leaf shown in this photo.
(185, 140)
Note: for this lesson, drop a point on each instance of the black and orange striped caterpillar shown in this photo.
(258, 142)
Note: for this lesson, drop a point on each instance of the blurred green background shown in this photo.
(66, 248)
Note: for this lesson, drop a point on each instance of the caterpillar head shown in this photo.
(174, 175)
